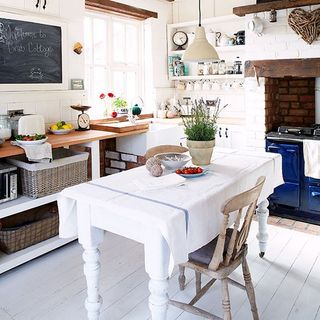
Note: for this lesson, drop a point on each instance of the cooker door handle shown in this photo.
(315, 194)
(291, 151)
(273, 148)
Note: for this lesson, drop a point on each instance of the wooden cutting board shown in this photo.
(120, 127)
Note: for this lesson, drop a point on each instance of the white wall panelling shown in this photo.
(52, 7)
(187, 10)
(53, 104)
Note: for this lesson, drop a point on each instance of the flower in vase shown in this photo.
(103, 96)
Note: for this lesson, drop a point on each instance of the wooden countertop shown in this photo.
(73, 138)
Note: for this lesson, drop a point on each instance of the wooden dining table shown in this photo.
(170, 215)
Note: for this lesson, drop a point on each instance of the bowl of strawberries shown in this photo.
(190, 172)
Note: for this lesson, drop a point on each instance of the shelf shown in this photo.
(276, 5)
(231, 48)
(209, 77)
(218, 49)
(23, 203)
(10, 261)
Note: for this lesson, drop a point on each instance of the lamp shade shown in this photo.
(200, 50)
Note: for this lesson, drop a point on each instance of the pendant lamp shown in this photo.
(200, 50)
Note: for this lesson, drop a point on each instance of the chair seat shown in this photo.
(205, 253)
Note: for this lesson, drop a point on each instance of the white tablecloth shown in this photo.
(188, 215)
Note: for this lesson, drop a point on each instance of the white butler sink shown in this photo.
(158, 133)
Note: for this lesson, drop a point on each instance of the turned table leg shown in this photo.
(262, 236)
(157, 266)
(90, 238)
(92, 270)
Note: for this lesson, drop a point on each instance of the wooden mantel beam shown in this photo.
(120, 9)
(283, 68)
(277, 5)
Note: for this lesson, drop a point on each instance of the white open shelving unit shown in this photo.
(225, 25)
(235, 49)
(208, 77)
(23, 203)
(230, 133)
(13, 260)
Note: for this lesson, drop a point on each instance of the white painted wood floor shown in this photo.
(52, 287)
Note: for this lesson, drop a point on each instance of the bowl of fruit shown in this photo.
(190, 172)
(25, 140)
(61, 127)
(173, 160)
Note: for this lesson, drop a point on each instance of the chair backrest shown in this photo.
(247, 199)
(164, 148)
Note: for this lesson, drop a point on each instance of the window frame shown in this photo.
(112, 66)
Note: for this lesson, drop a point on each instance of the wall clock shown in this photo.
(180, 39)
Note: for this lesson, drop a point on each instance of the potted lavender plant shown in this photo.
(200, 129)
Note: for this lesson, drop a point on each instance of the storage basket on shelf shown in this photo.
(67, 168)
(30, 227)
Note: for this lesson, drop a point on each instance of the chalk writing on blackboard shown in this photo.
(29, 52)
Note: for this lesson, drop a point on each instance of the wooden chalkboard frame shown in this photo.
(41, 86)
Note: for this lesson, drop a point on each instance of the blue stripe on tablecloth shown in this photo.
(185, 211)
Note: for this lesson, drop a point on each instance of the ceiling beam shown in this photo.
(283, 68)
(276, 5)
(121, 9)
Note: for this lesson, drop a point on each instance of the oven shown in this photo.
(299, 196)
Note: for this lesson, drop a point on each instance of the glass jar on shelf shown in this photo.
(215, 67)
(207, 70)
(237, 65)
(5, 127)
(222, 67)
(200, 68)
(230, 68)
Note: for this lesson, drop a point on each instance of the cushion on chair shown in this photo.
(205, 253)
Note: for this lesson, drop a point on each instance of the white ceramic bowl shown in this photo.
(31, 143)
(173, 160)
(61, 131)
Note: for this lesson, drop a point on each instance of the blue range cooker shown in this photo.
(299, 196)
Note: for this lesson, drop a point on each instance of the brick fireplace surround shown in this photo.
(279, 92)
(290, 102)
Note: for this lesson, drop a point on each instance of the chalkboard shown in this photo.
(30, 52)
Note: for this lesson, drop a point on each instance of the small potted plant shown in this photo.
(120, 105)
(200, 129)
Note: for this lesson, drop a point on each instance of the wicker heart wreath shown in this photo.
(306, 24)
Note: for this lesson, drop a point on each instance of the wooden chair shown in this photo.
(219, 258)
(164, 148)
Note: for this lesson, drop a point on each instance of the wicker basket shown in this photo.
(37, 180)
(30, 227)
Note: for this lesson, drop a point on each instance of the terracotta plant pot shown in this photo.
(201, 151)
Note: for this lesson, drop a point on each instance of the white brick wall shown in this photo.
(278, 41)
(255, 113)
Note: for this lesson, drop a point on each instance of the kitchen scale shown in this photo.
(83, 118)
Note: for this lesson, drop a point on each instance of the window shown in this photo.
(113, 58)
